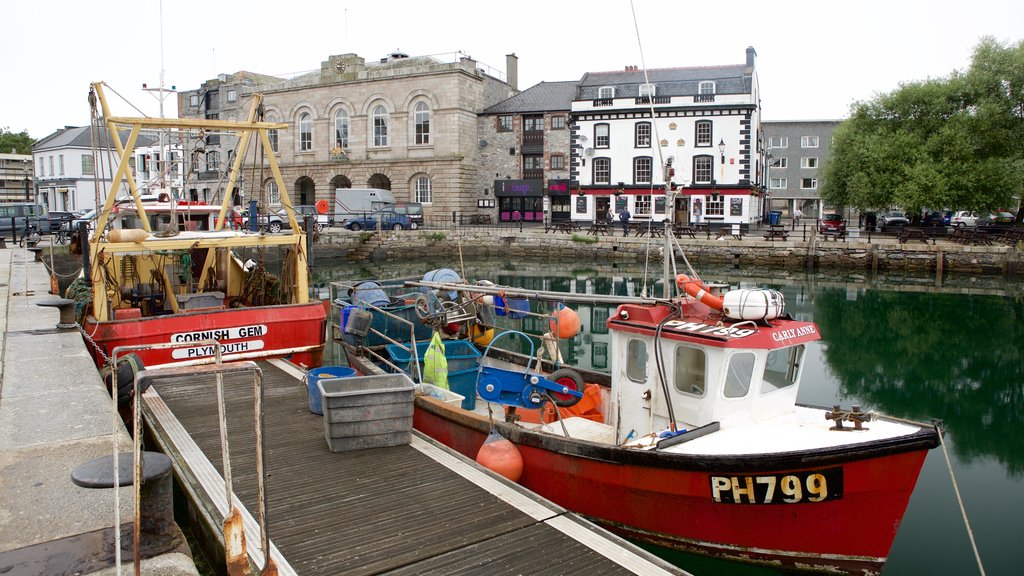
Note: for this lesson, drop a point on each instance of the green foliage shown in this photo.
(955, 142)
(436, 236)
(20, 142)
(584, 239)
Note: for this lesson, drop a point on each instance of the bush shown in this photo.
(584, 239)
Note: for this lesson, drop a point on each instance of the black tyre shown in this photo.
(397, 227)
(356, 227)
(571, 379)
(274, 227)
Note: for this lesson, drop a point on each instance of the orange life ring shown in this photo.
(695, 288)
(322, 206)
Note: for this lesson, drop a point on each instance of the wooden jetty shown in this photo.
(410, 509)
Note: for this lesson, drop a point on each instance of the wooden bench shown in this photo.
(680, 231)
(907, 234)
(598, 227)
(776, 232)
(836, 235)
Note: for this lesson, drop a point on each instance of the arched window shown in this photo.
(341, 129)
(424, 193)
(380, 126)
(422, 120)
(702, 136)
(273, 194)
(272, 134)
(305, 132)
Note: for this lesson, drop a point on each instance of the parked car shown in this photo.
(387, 217)
(832, 223)
(996, 220)
(414, 210)
(277, 221)
(947, 217)
(934, 219)
(964, 218)
(891, 219)
(89, 216)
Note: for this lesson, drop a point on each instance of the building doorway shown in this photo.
(681, 211)
(602, 204)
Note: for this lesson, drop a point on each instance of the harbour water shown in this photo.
(900, 346)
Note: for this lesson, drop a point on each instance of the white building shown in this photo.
(70, 175)
(697, 129)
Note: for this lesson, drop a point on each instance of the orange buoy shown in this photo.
(322, 206)
(565, 321)
(501, 456)
(695, 288)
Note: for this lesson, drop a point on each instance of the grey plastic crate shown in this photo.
(367, 411)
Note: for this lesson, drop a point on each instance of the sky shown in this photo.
(814, 58)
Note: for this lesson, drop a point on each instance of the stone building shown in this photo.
(797, 150)
(17, 173)
(405, 124)
(524, 154)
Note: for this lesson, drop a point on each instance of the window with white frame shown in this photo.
(88, 165)
(780, 162)
(715, 206)
(424, 193)
(558, 122)
(706, 87)
(647, 90)
(504, 123)
(606, 92)
(602, 170)
(193, 100)
(421, 118)
(305, 132)
(42, 172)
(779, 142)
(642, 135)
(809, 162)
(601, 136)
(808, 141)
(557, 162)
(232, 95)
(642, 205)
(212, 160)
(642, 167)
(341, 128)
(60, 164)
(273, 194)
(702, 169)
(778, 183)
(808, 183)
(272, 134)
(380, 126)
(50, 162)
(702, 136)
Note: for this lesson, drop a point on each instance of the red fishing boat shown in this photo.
(171, 272)
(700, 444)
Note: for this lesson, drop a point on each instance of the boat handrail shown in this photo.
(547, 295)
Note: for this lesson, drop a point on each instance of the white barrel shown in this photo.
(753, 304)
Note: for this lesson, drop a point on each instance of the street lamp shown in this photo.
(24, 170)
(721, 149)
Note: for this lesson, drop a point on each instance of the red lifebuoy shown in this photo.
(695, 288)
(322, 206)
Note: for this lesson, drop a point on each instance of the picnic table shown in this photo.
(641, 228)
(906, 234)
(965, 236)
(776, 232)
(836, 235)
(567, 226)
(680, 230)
(599, 227)
(734, 231)
(1008, 235)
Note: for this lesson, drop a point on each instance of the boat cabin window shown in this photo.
(636, 360)
(781, 369)
(739, 374)
(689, 377)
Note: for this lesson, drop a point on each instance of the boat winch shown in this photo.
(526, 389)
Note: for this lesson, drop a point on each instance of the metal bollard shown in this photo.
(67, 311)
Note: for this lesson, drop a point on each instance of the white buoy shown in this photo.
(753, 304)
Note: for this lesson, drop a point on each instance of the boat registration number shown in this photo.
(790, 488)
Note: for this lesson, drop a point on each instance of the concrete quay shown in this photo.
(56, 414)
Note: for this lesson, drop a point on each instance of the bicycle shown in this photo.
(30, 235)
(63, 235)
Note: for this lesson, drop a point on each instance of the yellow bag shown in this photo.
(435, 364)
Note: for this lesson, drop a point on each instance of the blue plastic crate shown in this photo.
(464, 382)
(460, 354)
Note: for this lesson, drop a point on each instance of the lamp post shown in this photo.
(24, 171)
(767, 183)
(721, 165)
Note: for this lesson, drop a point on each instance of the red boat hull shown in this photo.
(667, 499)
(293, 331)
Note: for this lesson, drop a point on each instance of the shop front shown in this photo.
(560, 200)
(520, 200)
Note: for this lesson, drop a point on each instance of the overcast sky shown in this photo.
(815, 58)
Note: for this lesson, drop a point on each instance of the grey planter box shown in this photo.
(367, 411)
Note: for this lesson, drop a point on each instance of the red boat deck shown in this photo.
(416, 509)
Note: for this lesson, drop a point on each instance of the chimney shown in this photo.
(512, 70)
(751, 55)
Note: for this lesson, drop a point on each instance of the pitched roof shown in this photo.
(543, 97)
(732, 79)
(80, 137)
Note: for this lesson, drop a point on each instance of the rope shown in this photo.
(960, 501)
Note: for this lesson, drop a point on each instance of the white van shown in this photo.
(353, 202)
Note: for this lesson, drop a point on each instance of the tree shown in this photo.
(21, 142)
(955, 142)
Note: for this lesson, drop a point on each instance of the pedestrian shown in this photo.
(624, 217)
(796, 216)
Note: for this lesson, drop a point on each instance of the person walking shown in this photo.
(797, 214)
(624, 217)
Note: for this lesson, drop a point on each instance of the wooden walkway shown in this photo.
(416, 509)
